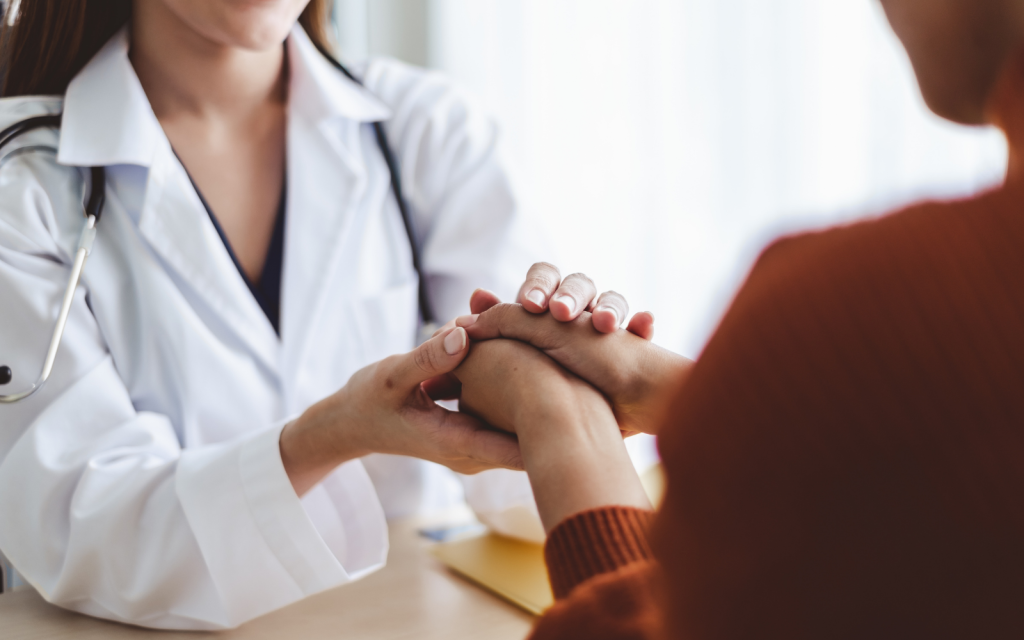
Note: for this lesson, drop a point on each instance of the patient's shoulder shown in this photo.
(955, 257)
(857, 415)
(876, 317)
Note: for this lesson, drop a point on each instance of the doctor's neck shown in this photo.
(190, 69)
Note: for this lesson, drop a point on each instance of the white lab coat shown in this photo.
(144, 482)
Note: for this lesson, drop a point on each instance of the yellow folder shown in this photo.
(514, 569)
(510, 568)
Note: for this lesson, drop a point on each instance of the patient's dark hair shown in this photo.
(51, 40)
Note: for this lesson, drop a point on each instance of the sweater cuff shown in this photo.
(594, 542)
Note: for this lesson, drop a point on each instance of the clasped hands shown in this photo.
(548, 384)
(569, 384)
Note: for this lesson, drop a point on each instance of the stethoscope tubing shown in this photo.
(426, 309)
(94, 209)
(85, 241)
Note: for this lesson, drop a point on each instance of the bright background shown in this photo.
(663, 143)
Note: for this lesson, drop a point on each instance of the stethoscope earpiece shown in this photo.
(5, 375)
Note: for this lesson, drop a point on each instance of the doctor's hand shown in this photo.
(545, 290)
(571, 445)
(384, 409)
(637, 376)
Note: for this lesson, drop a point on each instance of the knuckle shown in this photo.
(425, 359)
(544, 274)
(384, 371)
(614, 298)
(578, 285)
(500, 312)
(581, 280)
(512, 461)
(385, 367)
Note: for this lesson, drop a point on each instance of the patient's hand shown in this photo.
(570, 442)
(636, 375)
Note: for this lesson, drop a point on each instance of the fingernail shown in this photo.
(455, 341)
(536, 297)
(568, 301)
(467, 321)
(611, 310)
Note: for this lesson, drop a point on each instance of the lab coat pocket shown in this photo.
(385, 324)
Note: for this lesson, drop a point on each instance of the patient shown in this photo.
(846, 458)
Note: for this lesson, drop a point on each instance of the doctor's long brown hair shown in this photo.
(51, 40)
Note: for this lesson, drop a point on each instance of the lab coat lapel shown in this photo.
(326, 184)
(108, 121)
(177, 227)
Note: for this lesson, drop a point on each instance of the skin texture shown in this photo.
(389, 407)
(215, 74)
(545, 290)
(957, 48)
(634, 374)
(570, 441)
(384, 409)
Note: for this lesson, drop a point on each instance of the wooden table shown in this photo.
(413, 597)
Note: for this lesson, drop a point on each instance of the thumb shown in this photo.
(437, 356)
(482, 300)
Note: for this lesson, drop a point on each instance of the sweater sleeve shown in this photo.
(603, 575)
(596, 542)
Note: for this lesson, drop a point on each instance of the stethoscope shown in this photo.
(94, 209)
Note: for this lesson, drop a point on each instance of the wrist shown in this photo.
(316, 443)
(656, 370)
(578, 461)
(655, 375)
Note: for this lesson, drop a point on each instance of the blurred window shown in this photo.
(664, 142)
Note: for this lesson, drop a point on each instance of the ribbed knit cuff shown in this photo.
(590, 543)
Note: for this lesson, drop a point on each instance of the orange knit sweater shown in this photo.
(847, 458)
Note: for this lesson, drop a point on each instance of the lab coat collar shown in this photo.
(321, 92)
(108, 119)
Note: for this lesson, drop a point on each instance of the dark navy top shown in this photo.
(268, 290)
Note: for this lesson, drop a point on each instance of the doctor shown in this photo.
(201, 453)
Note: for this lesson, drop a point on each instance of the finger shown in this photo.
(470, 438)
(542, 281)
(642, 324)
(443, 387)
(573, 297)
(437, 356)
(445, 328)
(508, 321)
(496, 449)
(482, 300)
(610, 310)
